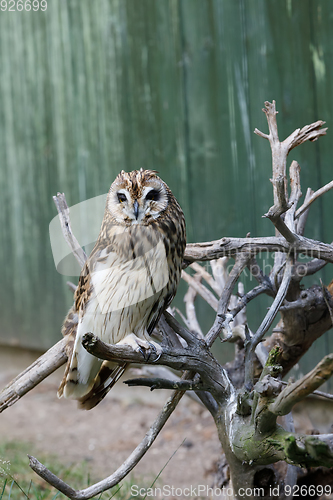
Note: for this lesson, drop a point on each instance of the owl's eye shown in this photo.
(121, 197)
(153, 195)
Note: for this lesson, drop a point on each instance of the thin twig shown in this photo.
(201, 290)
(258, 274)
(191, 316)
(252, 294)
(266, 323)
(74, 245)
(301, 221)
(313, 197)
(222, 320)
(71, 286)
(162, 383)
(207, 277)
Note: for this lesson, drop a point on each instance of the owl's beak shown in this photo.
(136, 209)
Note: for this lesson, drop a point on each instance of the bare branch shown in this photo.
(169, 335)
(252, 294)
(297, 391)
(33, 375)
(315, 394)
(162, 383)
(286, 226)
(192, 321)
(270, 111)
(274, 215)
(178, 328)
(71, 286)
(230, 247)
(280, 151)
(279, 155)
(219, 271)
(196, 358)
(207, 277)
(307, 269)
(258, 274)
(74, 245)
(123, 470)
(266, 323)
(201, 290)
(301, 221)
(295, 194)
(203, 398)
(313, 197)
(307, 133)
(221, 320)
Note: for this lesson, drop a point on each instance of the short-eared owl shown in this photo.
(129, 279)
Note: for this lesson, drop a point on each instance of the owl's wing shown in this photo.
(164, 300)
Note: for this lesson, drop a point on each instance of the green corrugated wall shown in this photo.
(88, 88)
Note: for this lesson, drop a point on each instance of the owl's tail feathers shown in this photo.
(108, 375)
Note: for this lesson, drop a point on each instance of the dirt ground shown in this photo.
(106, 435)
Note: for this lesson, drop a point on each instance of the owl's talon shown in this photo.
(143, 346)
(157, 353)
(158, 357)
(142, 352)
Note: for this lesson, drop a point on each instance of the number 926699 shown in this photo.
(19, 5)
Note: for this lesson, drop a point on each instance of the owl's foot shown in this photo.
(156, 349)
(142, 346)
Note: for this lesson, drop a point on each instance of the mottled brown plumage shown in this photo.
(129, 279)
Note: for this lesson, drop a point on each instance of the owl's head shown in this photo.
(137, 197)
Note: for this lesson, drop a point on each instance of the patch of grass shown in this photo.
(19, 482)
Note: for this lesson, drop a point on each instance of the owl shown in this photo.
(129, 279)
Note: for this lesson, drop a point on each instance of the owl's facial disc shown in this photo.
(125, 208)
(155, 200)
(137, 203)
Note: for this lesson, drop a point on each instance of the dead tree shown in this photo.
(246, 396)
